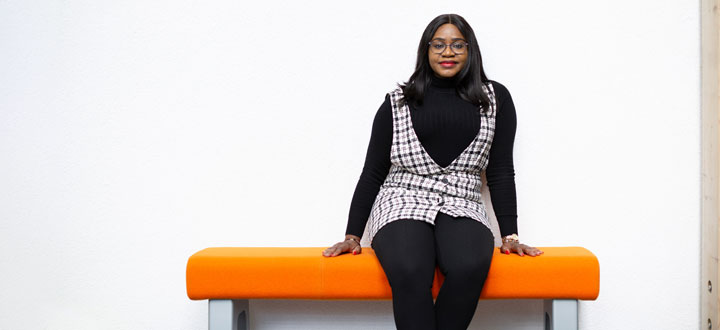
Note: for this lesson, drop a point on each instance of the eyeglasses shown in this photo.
(457, 47)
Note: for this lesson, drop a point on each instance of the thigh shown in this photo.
(406, 250)
(462, 244)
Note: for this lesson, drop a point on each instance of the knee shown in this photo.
(409, 275)
(470, 268)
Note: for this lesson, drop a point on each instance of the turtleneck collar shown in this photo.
(443, 84)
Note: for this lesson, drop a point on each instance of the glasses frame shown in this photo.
(446, 46)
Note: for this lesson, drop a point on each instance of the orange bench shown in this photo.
(229, 277)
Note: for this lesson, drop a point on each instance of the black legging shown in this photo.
(407, 251)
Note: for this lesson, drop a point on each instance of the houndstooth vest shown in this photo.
(417, 188)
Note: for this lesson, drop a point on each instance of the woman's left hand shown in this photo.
(520, 249)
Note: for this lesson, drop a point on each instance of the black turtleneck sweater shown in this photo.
(445, 125)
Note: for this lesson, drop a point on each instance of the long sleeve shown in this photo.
(375, 170)
(500, 172)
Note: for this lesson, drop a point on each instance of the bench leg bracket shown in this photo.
(227, 314)
(561, 314)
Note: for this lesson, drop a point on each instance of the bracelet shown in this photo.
(352, 239)
(511, 239)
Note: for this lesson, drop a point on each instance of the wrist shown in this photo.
(352, 238)
(511, 239)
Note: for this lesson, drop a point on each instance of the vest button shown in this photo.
(445, 180)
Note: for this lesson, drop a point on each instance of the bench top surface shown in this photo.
(303, 273)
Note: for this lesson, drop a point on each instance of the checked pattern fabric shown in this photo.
(417, 188)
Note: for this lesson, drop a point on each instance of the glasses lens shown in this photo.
(437, 46)
(458, 47)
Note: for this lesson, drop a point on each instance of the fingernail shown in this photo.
(354, 252)
(507, 252)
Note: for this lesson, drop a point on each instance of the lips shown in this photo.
(448, 64)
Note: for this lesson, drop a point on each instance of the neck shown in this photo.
(443, 83)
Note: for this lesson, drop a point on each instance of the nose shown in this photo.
(447, 51)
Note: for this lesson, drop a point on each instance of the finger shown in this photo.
(329, 251)
(528, 250)
(346, 247)
(357, 249)
(504, 249)
(508, 248)
(532, 251)
(339, 250)
(519, 250)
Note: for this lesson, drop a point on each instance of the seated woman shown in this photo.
(419, 191)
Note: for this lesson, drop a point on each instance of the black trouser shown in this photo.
(408, 250)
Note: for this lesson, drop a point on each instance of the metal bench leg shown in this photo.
(561, 314)
(225, 314)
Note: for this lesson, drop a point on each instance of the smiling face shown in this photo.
(447, 64)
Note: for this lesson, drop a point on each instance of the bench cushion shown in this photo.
(303, 273)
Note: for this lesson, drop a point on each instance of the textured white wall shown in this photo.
(135, 133)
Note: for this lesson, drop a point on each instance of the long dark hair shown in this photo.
(469, 79)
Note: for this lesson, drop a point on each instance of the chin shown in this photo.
(448, 75)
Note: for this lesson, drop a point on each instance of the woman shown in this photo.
(419, 191)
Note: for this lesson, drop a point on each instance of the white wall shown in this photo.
(134, 133)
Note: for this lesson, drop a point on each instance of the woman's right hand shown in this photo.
(348, 245)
